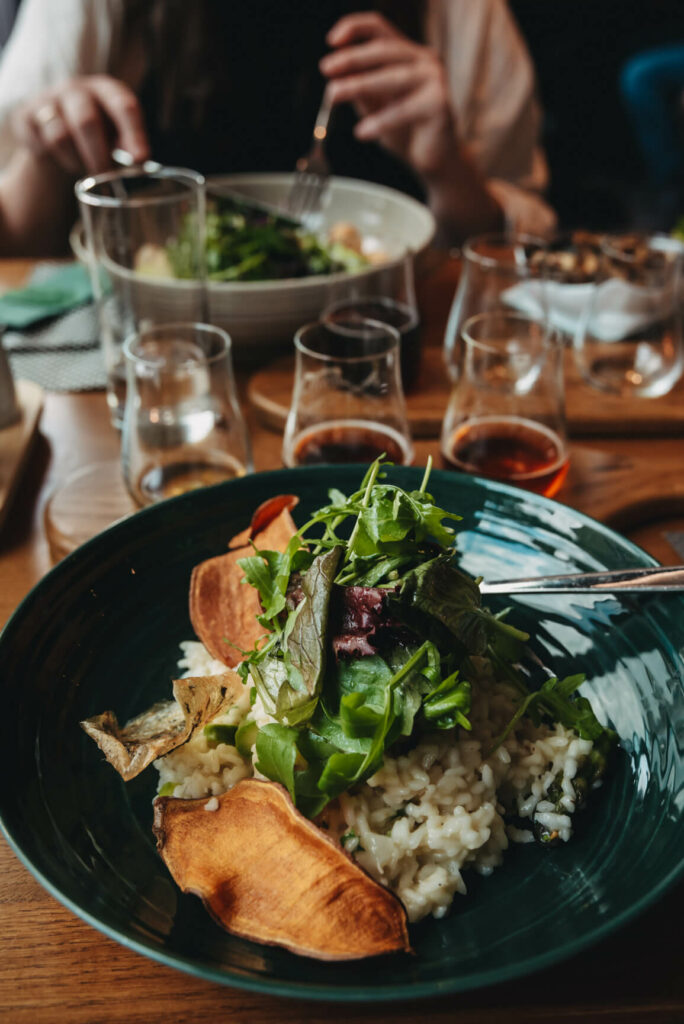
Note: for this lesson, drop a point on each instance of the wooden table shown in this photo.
(57, 970)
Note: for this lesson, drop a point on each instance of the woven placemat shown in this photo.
(60, 354)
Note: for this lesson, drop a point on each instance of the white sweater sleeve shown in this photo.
(492, 86)
(53, 40)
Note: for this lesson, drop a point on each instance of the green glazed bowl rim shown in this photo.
(324, 991)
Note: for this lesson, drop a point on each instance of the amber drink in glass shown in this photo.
(505, 418)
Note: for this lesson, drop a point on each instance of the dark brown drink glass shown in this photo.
(347, 401)
(512, 449)
(399, 315)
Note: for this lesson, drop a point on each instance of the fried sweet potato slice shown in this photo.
(266, 873)
(222, 610)
(164, 726)
(264, 515)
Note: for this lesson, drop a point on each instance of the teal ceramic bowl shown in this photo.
(101, 631)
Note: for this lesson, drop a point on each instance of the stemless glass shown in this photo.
(388, 295)
(506, 415)
(183, 427)
(629, 340)
(347, 402)
(144, 229)
(500, 272)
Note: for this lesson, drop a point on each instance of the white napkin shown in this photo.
(619, 309)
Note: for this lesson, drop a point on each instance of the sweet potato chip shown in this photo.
(166, 725)
(222, 610)
(263, 517)
(268, 874)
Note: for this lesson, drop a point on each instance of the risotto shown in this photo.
(425, 815)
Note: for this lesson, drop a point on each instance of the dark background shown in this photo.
(598, 179)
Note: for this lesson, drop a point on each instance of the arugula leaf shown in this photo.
(447, 705)
(341, 770)
(269, 572)
(276, 750)
(553, 699)
(304, 647)
(289, 677)
(443, 593)
(326, 725)
(392, 528)
(357, 717)
(439, 590)
(245, 736)
(216, 733)
(310, 799)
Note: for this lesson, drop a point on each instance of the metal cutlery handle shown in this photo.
(654, 580)
(323, 116)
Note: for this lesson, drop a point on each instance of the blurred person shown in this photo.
(434, 98)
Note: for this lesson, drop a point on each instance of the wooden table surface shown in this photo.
(56, 969)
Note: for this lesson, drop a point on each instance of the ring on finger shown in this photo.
(47, 113)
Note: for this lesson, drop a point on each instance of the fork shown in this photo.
(312, 170)
(655, 580)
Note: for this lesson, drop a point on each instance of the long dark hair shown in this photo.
(177, 37)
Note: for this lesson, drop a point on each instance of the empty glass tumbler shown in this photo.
(500, 273)
(183, 428)
(387, 294)
(629, 340)
(144, 235)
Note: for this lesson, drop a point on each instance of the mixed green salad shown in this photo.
(375, 637)
(248, 242)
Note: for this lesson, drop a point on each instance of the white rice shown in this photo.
(425, 815)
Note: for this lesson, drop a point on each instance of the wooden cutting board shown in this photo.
(588, 411)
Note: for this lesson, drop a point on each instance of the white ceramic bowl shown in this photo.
(262, 315)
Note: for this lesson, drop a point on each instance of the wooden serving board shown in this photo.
(16, 440)
(588, 411)
(624, 490)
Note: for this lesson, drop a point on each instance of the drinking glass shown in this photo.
(506, 417)
(183, 428)
(347, 402)
(144, 229)
(500, 273)
(629, 340)
(388, 294)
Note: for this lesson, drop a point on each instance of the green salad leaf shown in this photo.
(336, 717)
(246, 241)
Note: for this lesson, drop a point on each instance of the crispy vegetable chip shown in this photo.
(265, 514)
(166, 725)
(222, 610)
(266, 873)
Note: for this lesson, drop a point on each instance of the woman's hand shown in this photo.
(398, 88)
(79, 121)
(400, 92)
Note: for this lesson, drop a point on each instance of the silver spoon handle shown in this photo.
(654, 580)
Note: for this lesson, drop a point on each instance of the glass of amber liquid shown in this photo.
(183, 427)
(347, 401)
(506, 415)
